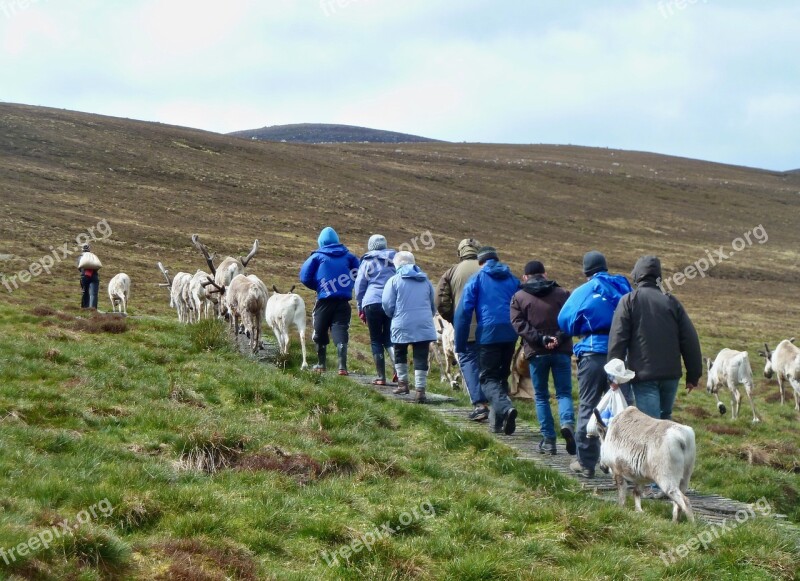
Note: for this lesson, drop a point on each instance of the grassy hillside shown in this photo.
(90, 416)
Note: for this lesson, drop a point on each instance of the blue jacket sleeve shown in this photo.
(463, 317)
(570, 313)
(389, 298)
(308, 272)
(361, 283)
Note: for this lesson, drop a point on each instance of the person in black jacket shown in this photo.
(534, 315)
(654, 332)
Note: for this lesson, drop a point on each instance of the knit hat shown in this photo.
(468, 248)
(376, 242)
(403, 258)
(487, 253)
(534, 267)
(594, 262)
(328, 237)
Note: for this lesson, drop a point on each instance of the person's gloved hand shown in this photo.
(363, 316)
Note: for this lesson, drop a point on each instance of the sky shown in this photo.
(707, 79)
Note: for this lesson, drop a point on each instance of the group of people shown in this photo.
(491, 309)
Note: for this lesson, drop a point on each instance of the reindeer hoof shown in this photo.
(722, 408)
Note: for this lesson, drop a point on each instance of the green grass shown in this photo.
(301, 466)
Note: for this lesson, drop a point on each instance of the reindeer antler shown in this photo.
(165, 272)
(249, 257)
(210, 282)
(202, 248)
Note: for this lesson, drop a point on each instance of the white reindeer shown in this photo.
(178, 293)
(246, 299)
(784, 363)
(284, 310)
(446, 338)
(227, 270)
(119, 290)
(731, 368)
(640, 449)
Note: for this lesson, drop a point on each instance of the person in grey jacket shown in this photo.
(408, 301)
(376, 268)
(654, 332)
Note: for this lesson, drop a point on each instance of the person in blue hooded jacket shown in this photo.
(376, 268)
(588, 313)
(488, 294)
(408, 300)
(330, 272)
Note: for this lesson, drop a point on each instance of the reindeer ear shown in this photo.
(275, 288)
(791, 340)
(291, 290)
(599, 419)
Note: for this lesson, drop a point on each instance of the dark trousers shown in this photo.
(421, 352)
(380, 328)
(91, 288)
(592, 384)
(331, 315)
(494, 361)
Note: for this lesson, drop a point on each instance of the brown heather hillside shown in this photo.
(61, 172)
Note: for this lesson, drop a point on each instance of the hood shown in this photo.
(333, 250)
(497, 269)
(327, 237)
(539, 286)
(411, 271)
(647, 269)
(386, 255)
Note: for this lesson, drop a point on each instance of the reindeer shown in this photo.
(784, 362)
(246, 300)
(119, 289)
(730, 368)
(446, 340)
(227, 269)
(284, 310)
(179, 298)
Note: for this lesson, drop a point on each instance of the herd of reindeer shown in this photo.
(245, 301)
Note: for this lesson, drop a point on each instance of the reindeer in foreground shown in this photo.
(640, 449)
(784, 362)
(119, 289)
(284, 310)
(246, 300)
(228, 269)
(447, 342)
(731, 368)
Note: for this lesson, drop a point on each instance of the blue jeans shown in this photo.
(560, 364)
(468, 364)
(656, 398)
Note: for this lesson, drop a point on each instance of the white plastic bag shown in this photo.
(612, 403)
(90, 261)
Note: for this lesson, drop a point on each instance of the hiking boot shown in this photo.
(578, 468)
(569, 438)
(401, 389)
(479, 414)
(380, 369)
(420, 398)
(547, 446)
(322, 352)
(341, 352)
(510, 422)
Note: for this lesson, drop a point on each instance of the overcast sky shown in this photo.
(709, 79)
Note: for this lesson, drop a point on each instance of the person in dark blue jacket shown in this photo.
(588, 313)
(330, 272)
(488, 294)
(376, 268)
